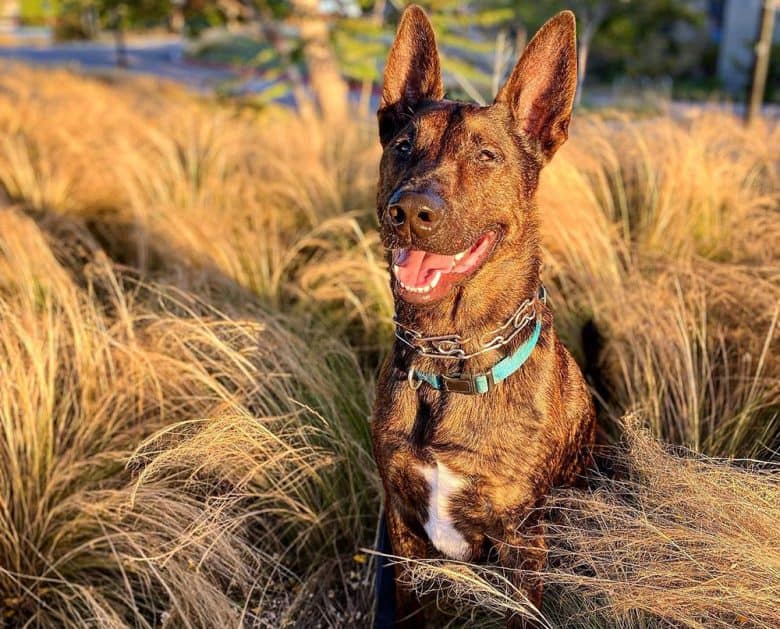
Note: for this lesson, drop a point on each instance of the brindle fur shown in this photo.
(533, 431)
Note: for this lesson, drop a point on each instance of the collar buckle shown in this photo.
(458, 384)
(467, 384)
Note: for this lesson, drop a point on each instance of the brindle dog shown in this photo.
(464, 474)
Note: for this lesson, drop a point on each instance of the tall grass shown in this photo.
(671, 539)
(167, 180)
(162, 463)
(658, 233)
(193, 298)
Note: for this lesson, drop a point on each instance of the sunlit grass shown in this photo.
(193, 299)
(160, 460)
(671, 538)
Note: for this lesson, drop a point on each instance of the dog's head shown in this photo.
(457, 180)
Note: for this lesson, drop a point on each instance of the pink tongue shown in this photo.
(416, 268)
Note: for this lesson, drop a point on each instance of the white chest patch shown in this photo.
(439, 527)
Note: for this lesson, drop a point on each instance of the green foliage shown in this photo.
(359, 43)
(202, 15)
(37, 11)
(469, 40)
(648, 38)
(234, 50)
(70, 23)
(659, 38)
(248, 52)
(479, 41)
(112, 14)
(467, 35)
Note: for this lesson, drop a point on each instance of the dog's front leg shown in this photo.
(405, 543)
(523, 552)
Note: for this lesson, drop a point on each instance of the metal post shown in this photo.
(761, 60)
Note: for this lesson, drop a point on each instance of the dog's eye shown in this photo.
(487, 155)
(404, 147)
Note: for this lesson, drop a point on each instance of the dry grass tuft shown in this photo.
(680, 537)
(168, 181)
(79, 541)
(192, 300)
(147, 442)
(657, 234)
(670, 538)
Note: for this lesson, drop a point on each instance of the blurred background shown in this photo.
(632, 52)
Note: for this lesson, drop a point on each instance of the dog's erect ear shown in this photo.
(412, 74)
(540, 90)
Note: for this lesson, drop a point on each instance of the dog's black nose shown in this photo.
(420, 211)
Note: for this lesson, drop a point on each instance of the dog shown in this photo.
(480, 410)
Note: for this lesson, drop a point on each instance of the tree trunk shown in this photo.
(591, 22)
(177, 20)
(327, 84)
(234, 11)
(582, 64)
(119, 37)
(367, 89)
(761, 60)
(270, 32)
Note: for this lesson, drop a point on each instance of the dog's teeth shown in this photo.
(459, 256)
(396, 268)
(420, 289)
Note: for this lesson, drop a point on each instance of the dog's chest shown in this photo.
(444, 485)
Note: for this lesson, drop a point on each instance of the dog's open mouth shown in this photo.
(422, 276)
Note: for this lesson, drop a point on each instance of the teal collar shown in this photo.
(484, 382)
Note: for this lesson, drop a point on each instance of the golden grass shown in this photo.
(147, 440)
(265, 199)
(679, 537)
(192, 302)
(670, 538)
(659, 233)
(79, 543)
